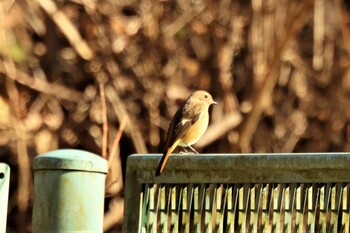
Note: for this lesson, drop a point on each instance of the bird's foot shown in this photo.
(186, 153)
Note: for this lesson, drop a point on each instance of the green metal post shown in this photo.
(4, 194)
(69, 190)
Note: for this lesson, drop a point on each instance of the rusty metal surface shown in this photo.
(239, 193)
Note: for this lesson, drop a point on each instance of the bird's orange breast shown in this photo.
(196, 131)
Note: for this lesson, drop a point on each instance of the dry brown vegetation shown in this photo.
(278, 69)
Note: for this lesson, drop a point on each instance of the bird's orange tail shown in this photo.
(163, 161)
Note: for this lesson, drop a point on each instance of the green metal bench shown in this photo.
(239, 193)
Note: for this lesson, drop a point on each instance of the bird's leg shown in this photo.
(183, 151)
(193, 149)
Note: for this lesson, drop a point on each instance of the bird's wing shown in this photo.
(182, 121)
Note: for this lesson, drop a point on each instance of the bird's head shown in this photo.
(202, 96)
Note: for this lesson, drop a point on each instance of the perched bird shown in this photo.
(188, 124)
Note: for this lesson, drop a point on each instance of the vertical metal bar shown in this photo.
(347, 225)
(323, 207)
(160, 207)
(132, 196)
(259, 209)
(265, 206)
(230, 209)
(282, 207)
(179, 209)
(141, 225)
(167, 209)
(287, 209)
(208, 215)
(240, 209)
(220, 195)
(317, 210)
(313, 195)
(164, 210)
(191, 206)
(172, 209)
(275, 210)
(213, 214)
(185, 227)
(236, 209)
(202, 208)
(167, 222)
(327, 206)
(334, 216)
(253, 207)
(293, 206)
(299, 206)
(155, 201)
(247, 207)
(270, 209)
(4, 194)
(310, 209)
(339, 194)
(277, 207)
(345, 208)
(305, 209)
(232, 206)
(145, 209)
(196, 209)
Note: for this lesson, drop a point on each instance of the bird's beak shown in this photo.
(214, 103)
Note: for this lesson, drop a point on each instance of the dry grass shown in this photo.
(279, 70)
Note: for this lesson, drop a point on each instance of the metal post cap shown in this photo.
(71, 159)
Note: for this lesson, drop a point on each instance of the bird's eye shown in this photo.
(206, 96)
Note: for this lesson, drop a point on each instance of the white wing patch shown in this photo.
(184, 121)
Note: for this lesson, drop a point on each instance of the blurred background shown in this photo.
(279, 70)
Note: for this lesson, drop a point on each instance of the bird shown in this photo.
(188, 125)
